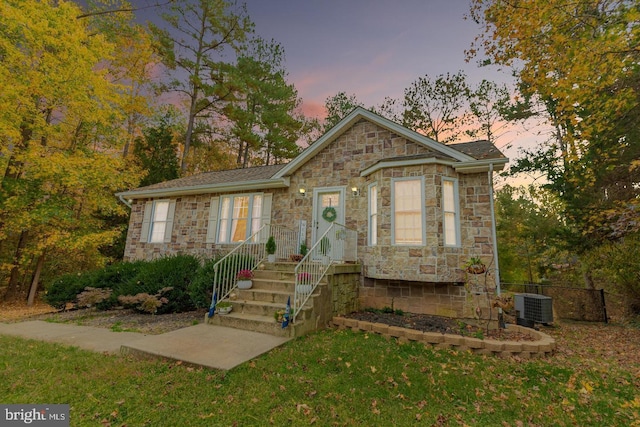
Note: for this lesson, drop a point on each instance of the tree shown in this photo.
(577, 64)
(529, 232)
(201, 32)
(338, 106)
(156, 151)
(436, 107)
(60, 122)
(488, 105)
(263, 109)
(130, 66)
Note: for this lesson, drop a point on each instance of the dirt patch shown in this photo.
(14, 311)
(117, 320)
(430, 323)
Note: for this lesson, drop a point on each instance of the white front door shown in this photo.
(323, 198)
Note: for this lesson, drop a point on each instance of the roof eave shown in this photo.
(402, 163)
(261, 184)
(478, 166)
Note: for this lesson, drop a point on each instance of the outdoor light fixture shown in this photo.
(355, 191)
(302, 191)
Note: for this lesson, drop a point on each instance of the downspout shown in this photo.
(124, 201)
(493, 230)
(494, 236)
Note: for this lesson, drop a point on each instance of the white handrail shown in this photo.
(337, 244)
(247, 256)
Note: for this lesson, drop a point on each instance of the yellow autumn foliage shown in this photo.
(66, 111)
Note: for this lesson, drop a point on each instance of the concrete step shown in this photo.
(280, 266)
(265, 295)
(266, 309)
(256, 323)
(273, 274)
(280, 285)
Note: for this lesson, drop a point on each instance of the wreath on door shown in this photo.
(329, 214)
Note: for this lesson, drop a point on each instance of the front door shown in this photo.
(325, 200)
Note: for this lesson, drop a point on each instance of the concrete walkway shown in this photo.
(209, 346)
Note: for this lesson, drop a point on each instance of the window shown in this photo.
(408, 212)
(373, 214)
(450, 212)
(157, 222)
(237, 217)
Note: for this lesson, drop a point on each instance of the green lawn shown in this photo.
(329, 378)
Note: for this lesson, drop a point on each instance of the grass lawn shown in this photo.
(325, 379)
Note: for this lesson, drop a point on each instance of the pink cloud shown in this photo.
(314, 109)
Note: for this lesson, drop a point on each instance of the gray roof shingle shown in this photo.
(218, 177)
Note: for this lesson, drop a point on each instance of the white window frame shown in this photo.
(450, 213)
(373, 214)
(422, 231)
(221, 218)
(150, 222)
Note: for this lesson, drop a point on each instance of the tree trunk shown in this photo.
(13, 288)
(588, 280)
(36, 278)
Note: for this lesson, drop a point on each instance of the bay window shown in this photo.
(408, 211)
(450, 212)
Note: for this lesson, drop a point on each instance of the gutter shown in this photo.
(494, 236)
(121, 197)
(206, 188)
(493, 230)
(476, 166)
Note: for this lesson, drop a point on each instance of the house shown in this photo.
(421, 210)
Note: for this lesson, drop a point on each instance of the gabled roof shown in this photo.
(358, 114)
(468, 157)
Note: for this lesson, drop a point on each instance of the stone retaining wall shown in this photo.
(542, 346)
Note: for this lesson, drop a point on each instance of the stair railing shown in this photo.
(247, 256)
(337, 244)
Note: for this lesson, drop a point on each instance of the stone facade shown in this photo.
(421, 279)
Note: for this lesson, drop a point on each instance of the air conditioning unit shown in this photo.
(533, 308)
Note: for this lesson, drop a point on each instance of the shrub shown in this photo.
(173, 275)
(114, 277)
(93, 296)
(176, 272)
(145, 303)
(200, 290)
(65, 289)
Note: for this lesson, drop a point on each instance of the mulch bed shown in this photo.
(429, 323)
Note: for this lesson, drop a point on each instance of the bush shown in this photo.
(131, 279)
(200, 291)
(93, 296)
(114, 277)
(65, 289)
(144, 302)
(176, 272)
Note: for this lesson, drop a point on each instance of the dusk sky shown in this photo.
(374, 48)
(370, 48)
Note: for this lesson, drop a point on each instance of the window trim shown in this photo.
(456, 213)
(217, 219)
(420, 180)
(372, 224)
(149, 221)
